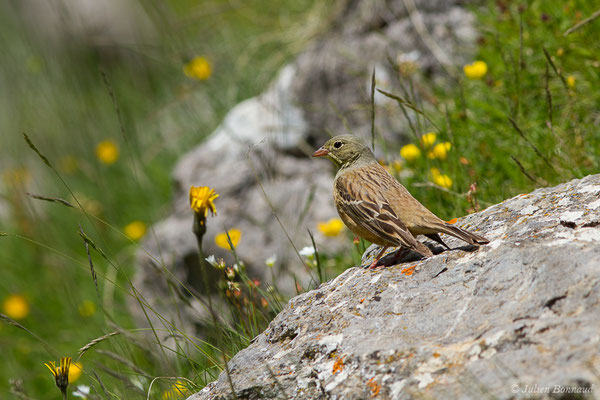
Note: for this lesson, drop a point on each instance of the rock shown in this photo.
(269, 138)
(511, 319)
(96, 23)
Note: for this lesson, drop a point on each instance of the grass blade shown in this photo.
(50, 199)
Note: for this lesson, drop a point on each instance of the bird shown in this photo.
(378, 208)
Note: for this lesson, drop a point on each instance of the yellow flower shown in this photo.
(333, 227)
(560, 51)
(571, 81)
(87, 308)
(61, 374)
(476, 70)
(68, 164)
(92, 206)
(410, 152)
(201, 200)
(198, 68)
(397, 165)
(440, 151)
(75, 371)
(107, 152)
(221, 239)
(16, 177)
(15, 306)
(428, 139)
(442, 180)
(435, 171)
(172, 394)
(169, 395)
(180, 387)
(135, 230)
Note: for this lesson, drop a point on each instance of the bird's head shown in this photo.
(343, 150)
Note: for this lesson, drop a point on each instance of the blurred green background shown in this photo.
(59, 65)
(113, 109)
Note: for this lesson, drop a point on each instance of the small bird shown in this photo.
(376, 207)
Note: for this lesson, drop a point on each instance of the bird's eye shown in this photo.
(337, 145)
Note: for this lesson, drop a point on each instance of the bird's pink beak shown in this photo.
(321, 152)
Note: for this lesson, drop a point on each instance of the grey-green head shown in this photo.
(344, 150)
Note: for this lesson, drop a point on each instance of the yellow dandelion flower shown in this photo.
(435, 171)
(333, 227)
(221, 239)
(61, 373)
(75, 371)
(180, 387)
(169, 395)
(135, 230)
(410, 152)
(475, 70)
(107, 152)
(201, 200)
(428, 139)
(571, 81)
(87, 308)
(15, 306)
(198, 68)
(172, 394)
(442, 180)
(440, 151)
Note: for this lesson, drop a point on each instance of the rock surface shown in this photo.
(511, 319)
(269, 139)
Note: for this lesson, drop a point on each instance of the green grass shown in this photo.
(62, 102)
(559, 122)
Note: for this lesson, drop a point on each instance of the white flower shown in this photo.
(218, 264)
(271, 261)
(82, 391)
(308, 251)
(211, 260)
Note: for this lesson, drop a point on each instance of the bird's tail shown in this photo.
(422, 249)
(463, 234)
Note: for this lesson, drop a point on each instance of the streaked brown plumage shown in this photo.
(376, 207)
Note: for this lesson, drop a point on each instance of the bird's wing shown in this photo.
(361, 199)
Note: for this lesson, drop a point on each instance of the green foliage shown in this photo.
(531, 121)
(69, 98)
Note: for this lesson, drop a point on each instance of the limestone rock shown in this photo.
(511, 319)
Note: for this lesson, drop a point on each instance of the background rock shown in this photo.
(269, 138)
(96, 23)
(509, 320)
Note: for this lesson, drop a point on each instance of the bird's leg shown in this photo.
(399, 254)
(376, 260)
